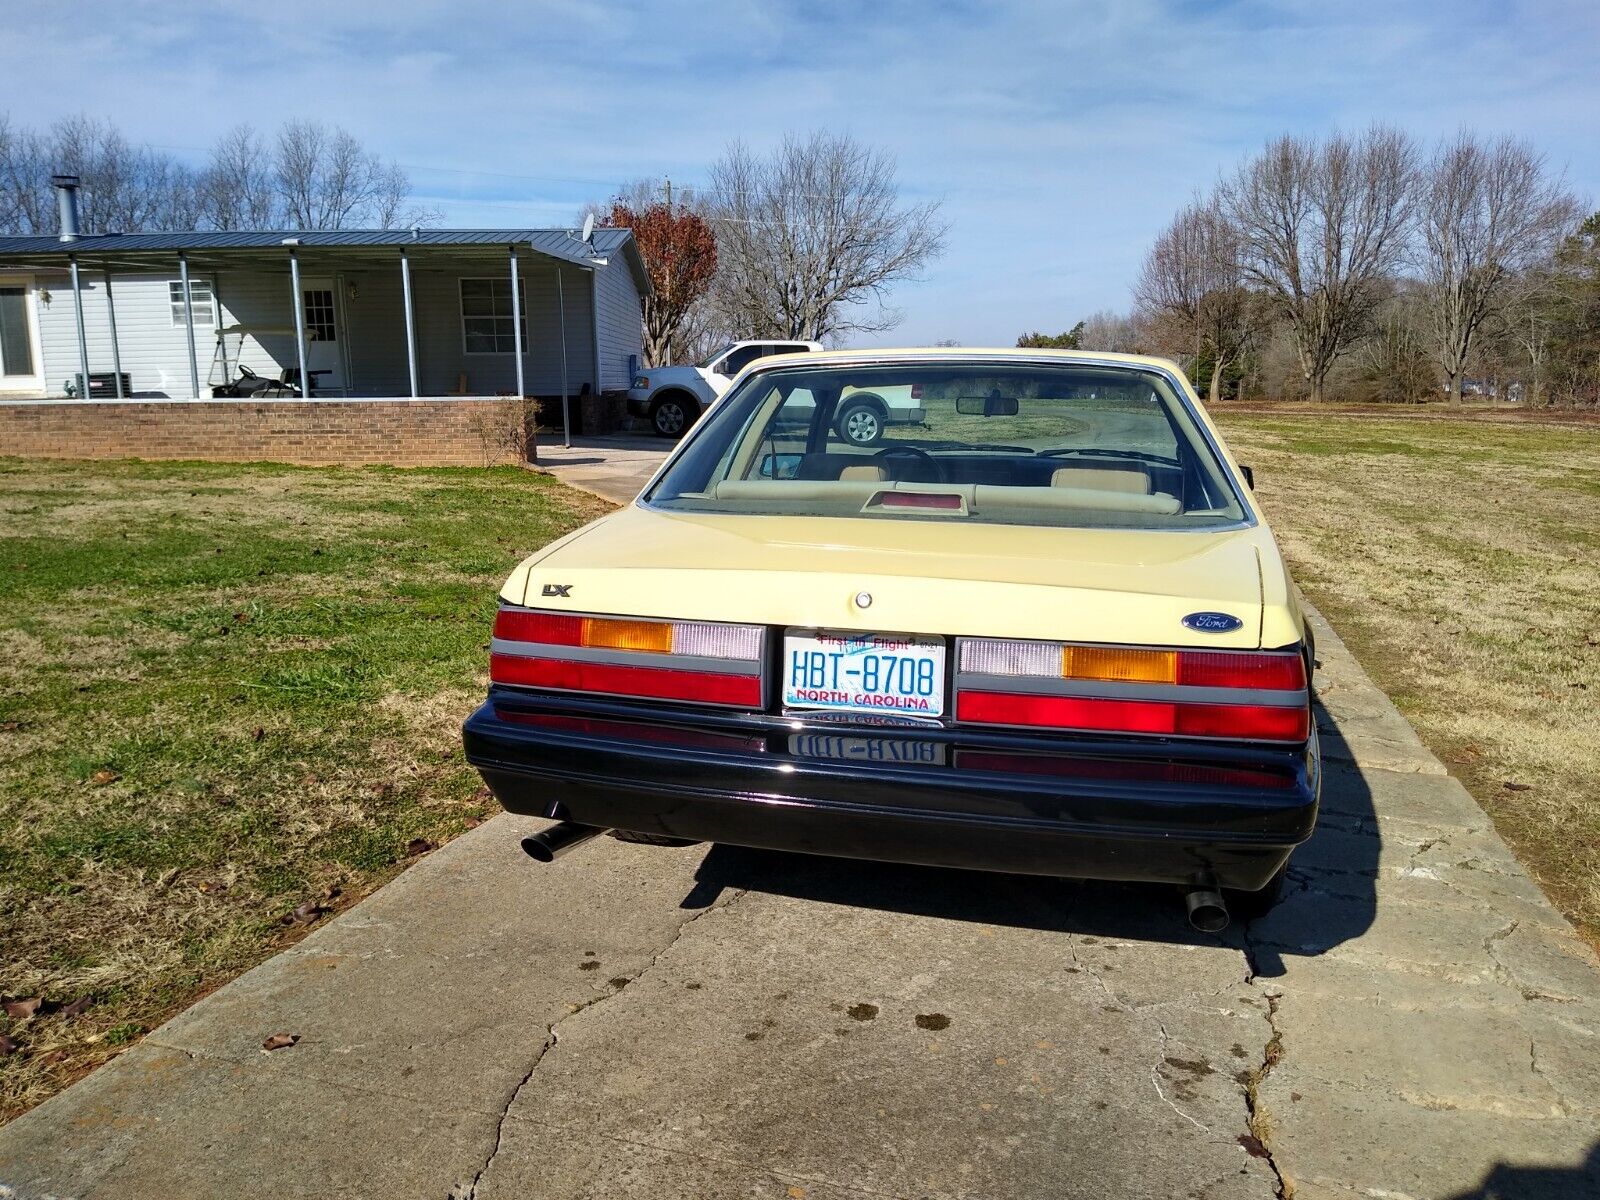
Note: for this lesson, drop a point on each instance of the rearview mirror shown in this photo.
(1249, 476)
(986, 406)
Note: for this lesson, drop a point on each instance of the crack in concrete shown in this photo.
(553, 1038)
(1257, 1119)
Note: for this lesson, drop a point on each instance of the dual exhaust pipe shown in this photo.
(1208, 911)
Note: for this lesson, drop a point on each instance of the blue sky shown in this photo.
(1059, 137)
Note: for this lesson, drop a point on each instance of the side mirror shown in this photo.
(780, 466)
(1249, 476)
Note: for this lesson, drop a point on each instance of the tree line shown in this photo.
(1368, 268)
(306, 175)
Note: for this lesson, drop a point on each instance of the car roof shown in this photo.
(956, 354)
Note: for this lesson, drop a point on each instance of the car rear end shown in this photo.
(951, 680)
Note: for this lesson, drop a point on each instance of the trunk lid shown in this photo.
(929, 577)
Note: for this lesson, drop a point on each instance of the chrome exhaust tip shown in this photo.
(550, 844)
(1208, 911)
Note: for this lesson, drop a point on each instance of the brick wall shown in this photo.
(403, 433)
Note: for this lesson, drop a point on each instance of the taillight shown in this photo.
(1240, 694)
(698, 661)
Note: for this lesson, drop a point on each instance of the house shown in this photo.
(362, 313)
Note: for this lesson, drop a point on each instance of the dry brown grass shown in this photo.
(1462, 559)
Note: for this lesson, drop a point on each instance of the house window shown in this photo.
(319, 314)
(199, 296)
(486, 326)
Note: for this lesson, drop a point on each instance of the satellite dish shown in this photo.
(588, 227)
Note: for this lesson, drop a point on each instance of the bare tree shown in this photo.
(326, 180)
(1321, 226)
(811, 238)
(1489, 211)
(237, 187)
(1111, 331)
(1193, 289)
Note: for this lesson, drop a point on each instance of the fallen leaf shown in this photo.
(7, 1046)
(333, 892)
(472, 822)
(243, 618)
(210, 887)
(1517, 787)
(258, 734)
(23, 1009)
(10, 726)
(102, 777)
(304, 914)
(280, 1041)
(76, 1008)
(1254, 1145)
(419, 846)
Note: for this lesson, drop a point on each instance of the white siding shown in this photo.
(620, 323)
(155, 351)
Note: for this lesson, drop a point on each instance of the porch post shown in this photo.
(299, 323)
(411, 324)
(83, 341)
(566, 422)
(116, 351)
(516, 323)
(188, 323)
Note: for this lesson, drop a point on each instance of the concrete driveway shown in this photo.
(1415, 1020)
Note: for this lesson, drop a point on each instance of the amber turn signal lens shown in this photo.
(1119, 664)
(628, 635)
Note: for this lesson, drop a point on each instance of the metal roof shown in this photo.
(146, 250)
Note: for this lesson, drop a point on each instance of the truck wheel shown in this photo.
(672, 414)
(861, 423)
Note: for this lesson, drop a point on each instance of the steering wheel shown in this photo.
(246, 373)
(916, 452)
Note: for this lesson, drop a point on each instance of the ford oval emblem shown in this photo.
(1212, 622)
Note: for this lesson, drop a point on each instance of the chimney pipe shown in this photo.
(67, 199)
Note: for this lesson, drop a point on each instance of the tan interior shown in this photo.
(869, 471)
(1106, 479)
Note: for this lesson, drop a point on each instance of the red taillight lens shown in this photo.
(553, 629)
(1244, 694)
(696, 661)
(1275, 672)
(654, 682)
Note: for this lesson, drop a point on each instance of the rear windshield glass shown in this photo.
(1003, 443)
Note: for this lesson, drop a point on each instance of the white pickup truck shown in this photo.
(674, 397)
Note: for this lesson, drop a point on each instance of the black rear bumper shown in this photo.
(1096, 808)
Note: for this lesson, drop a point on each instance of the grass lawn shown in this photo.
(1461, 560)
(226, 694)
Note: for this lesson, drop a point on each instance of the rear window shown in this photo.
(1004, 443)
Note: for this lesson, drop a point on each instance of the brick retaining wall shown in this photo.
(402, 433)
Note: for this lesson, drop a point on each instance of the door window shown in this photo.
(319, 315)
(16, 349)
(739, 360)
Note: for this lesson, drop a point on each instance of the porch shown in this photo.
(415, 314)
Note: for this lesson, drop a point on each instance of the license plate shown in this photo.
(860, 749)
(881, 673)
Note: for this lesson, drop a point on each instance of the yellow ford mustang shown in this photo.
(1042, 630)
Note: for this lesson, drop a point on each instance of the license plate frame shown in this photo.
(831, 677)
